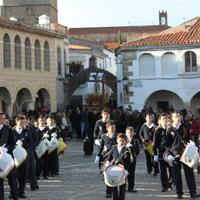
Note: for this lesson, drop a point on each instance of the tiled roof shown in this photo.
(78, 47)
(116, 29)
(111, 45)
(184, 34)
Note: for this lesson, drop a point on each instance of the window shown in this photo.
(7, 51)
(46, 57)
(37, 55)
(190, 62)
(18, 61)
(147, 65)
(59, 61)
(29, 11)
(169, 64)
(28, 59)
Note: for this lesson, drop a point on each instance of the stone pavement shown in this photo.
(79, 179)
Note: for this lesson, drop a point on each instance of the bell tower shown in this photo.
(163, 18)
(28, 11)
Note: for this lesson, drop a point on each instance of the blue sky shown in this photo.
(88, 13)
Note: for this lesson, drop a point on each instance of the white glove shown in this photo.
(107, 163)
(96, 161)
(129, 145)
(97, 142)
(19, 143)
(170, 158)
(155, 158)
(46, 135)
(54, 135)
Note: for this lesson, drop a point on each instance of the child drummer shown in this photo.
(106, 143)
(120, 154)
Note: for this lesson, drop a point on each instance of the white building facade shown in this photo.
(164, 73)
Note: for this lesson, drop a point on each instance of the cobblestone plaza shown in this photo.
(79, 179)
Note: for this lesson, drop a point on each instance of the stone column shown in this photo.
(187, 105)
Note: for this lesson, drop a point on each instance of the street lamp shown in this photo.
(125, 84)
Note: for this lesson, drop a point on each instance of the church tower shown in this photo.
(163, 18)
(28, 11)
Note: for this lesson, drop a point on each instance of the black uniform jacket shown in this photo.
(135, 148)
(177, 138)
(4, 134)
(99, 129)
(160, 141)
(106, 144)
(146, 133)
(40, 134)
(26, 138)
(124, 157)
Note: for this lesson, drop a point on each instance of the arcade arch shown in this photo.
(5, 100)
(195, 104)
(42, 101)
(164, 99)
(23, 100)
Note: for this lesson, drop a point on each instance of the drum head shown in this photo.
(114, 175)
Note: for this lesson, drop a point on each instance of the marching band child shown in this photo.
(23, 138)
(53, 160)
(120, 154)
(42, 163)
(106, 143)
(134, 146)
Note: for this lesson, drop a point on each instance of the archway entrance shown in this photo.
(195, 104)
(5, 101)
(42, 101)
(23, 101)
(93, 84)
(163, 100)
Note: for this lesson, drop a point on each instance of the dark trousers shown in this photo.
(165, 174)
(1, 189)
(119, 192)
(149, 163)
(22, 171)
(12, 181)
(109, 190)
(42, 165)
(53, 163)
(189, 176)
(32, 171)
(131, 175)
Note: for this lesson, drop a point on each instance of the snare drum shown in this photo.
(42, 147)
(6, 164)
(53, 145)
(20, 155)
(190, 155)
(115, 175)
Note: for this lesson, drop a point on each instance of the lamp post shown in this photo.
(125, 84)
(103, 91)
